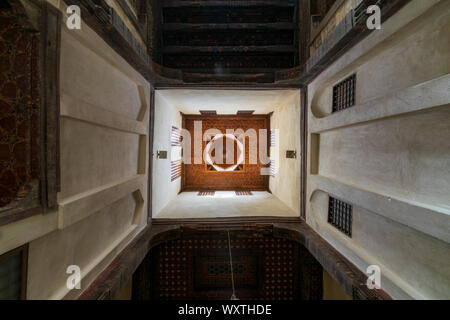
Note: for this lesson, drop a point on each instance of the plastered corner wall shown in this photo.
(164, 190)
(102, 204)
(285, 185)
(388, 155)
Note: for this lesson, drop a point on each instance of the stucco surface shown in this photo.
(104, 145)
(286, 183)
(389, 155)
(164, 190)
(225, 204)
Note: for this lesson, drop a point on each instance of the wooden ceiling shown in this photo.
(223, 37)
(201, 177)
(197, 267)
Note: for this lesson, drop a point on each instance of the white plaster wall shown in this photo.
(164, 190)
(389, 155)
(285, 185)
(104, 142)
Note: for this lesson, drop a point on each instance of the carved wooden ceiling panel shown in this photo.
(229, 37)
(19, 107)
(248, 176)
(197, 266)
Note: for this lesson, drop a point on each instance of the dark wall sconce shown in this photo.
(291, 154)
(161, 155)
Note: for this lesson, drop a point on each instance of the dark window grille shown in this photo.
(175, 137)
(175, 170)
(344, 94)
(340, 215)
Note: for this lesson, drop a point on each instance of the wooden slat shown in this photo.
(227, 49)
(245, 112)
(208, 112)
(175, 137)
(219, 3)
(175, 170)
(228, 26)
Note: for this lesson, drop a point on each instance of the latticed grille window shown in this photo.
(175, 170)
(175, 137)
(344, 94)
(272, 168)
(340, 215)
(272, 138)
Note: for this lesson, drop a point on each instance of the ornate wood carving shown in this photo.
(118, 273)
(197, 177)
(265, 268)
(29, 102)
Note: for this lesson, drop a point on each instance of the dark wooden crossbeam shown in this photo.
(230, 70)
(221, 3)
(227, 49)
(228, 26)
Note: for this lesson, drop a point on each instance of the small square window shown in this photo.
(344, 94)
(340, 215)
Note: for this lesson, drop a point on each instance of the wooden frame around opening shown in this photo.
(23, 266)
(47, 20)
(303, 139)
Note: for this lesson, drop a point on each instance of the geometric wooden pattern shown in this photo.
(246, 177)
(29, 108)
(19, 108)
(229, 37)
(265, 268)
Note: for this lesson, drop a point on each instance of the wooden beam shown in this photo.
(228, 26)
(228, 78)
(218, 3)
(245, 112)
(208, 112)
(230, 70)
(227, 49)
